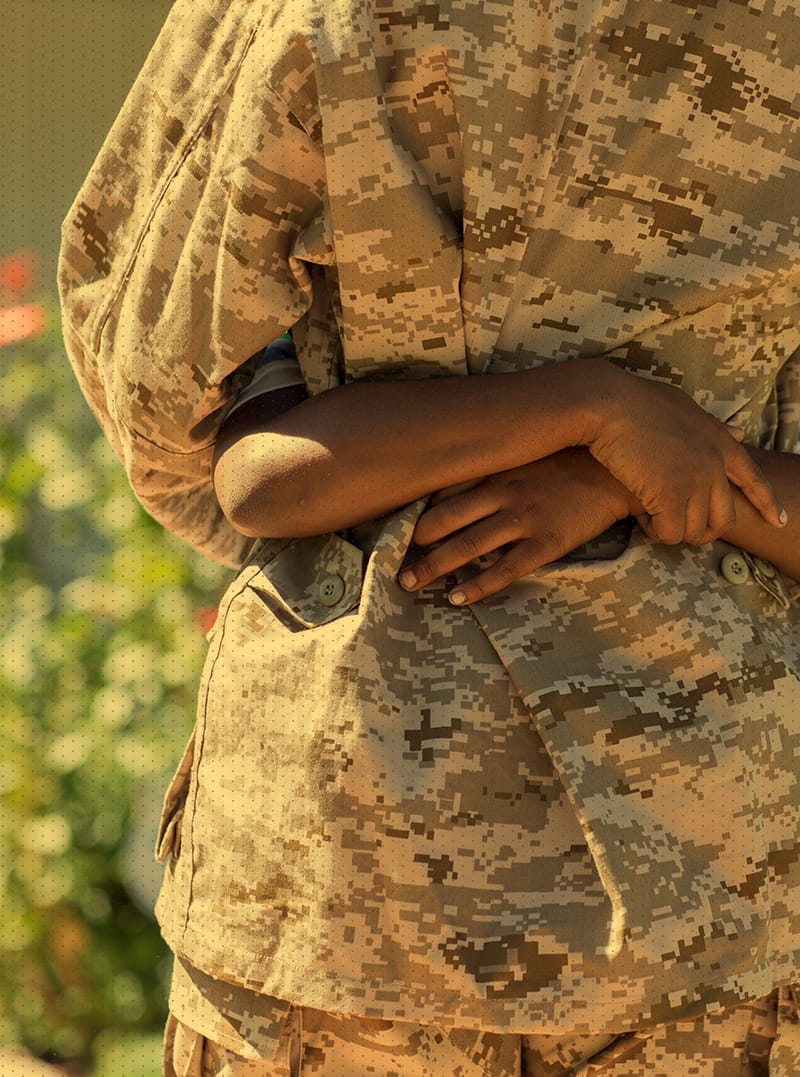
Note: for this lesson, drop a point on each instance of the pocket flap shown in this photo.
(315, 579)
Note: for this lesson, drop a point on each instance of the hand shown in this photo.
(678, 461)
(540, 511)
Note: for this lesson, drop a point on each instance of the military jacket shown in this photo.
(576, 803)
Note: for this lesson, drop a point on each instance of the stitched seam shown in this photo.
(163, 448)
(169, 177)
(188, 836)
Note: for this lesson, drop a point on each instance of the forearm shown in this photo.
(752, 533)
(359, 451)
(362, 450)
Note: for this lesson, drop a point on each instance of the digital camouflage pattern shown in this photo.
(752, 1040)
(575, 805)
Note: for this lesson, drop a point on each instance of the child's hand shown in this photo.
(678, 461)
(541, 511)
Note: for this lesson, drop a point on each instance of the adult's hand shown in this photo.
(532, 514)
(680, 463)
(378, 445)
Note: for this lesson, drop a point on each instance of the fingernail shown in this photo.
(408, 579)
(783, 518)
(457, 598)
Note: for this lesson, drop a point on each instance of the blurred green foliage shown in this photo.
(100, 652)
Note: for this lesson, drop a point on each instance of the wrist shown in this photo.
(622, 502)
(593, 392)
(617, 501)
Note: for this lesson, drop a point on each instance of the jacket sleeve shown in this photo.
(177, 260)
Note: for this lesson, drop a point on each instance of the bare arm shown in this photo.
(535, 514)
(356, 452)
(359, 451)
(781, 546)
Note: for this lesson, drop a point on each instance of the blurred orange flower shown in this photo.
(18, 272)
(205, 617)
(20, 322)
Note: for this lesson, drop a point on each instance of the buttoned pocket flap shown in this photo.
(313, 580)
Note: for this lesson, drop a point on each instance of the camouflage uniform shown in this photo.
(265, 1037)
(573, 806)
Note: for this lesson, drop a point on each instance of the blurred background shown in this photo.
(102, 616)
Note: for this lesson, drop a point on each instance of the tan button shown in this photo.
(766, 568)
(734, 568)
(331, 590)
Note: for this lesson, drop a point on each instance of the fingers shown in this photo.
(658, 443)
(721, 513)
(475, 541)
(708, 514)
(744, 472)
(667, 526)
(455, 512)
(696, 518)
(709, 510)
(451, 491)
(522, 559)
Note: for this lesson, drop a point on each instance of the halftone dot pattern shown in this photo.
(67, 67)
(760, 1039)
(90, 722)
(615, 179)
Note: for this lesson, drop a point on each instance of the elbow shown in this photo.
(273, 486)
(245, 502)
(258, 515)
(244, 520)
(256, 504)
(251, 511)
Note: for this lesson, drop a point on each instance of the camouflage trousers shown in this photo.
(761, 1037)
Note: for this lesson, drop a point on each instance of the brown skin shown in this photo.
(543, 510)
(647, 449)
